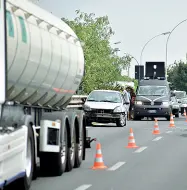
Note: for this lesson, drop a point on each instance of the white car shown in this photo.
(106, 106)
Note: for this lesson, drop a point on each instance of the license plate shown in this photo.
(104, 115)
(152, 111)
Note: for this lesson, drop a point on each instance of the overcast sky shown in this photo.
(134, 23)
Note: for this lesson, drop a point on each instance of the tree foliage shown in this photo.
(177, 76)
(102, 65)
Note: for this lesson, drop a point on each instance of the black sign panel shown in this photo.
(155, 69)
(139, 72)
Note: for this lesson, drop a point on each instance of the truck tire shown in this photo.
(54, 164)
(79, 147)
(24, 183)
(71, 153)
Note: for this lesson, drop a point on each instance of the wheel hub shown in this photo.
(63, 153)
(28, 159)
(80, 147)
(122, 119)
(72, 150)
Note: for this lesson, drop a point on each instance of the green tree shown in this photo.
(102, 66)
(177, 76)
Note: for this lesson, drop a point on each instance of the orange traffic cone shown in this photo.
(131, 140)
(156, 130)
(186, 118)
(172, 124)
(98, 163)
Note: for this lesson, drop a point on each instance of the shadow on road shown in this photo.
(104, 125)
(183, 135)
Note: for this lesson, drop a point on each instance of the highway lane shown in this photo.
(162, 161)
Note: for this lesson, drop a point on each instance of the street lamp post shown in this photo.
(165, 33)
(117, 43)
(168, 41)
(116, 50)
(132, 57)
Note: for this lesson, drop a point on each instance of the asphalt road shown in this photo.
(160, 162)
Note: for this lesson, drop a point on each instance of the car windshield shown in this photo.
(184, 101)
(180, 95)
(103, 96)
(152, 91)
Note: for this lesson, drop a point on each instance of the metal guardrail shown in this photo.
(77, 101)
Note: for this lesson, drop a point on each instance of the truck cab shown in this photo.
(153, 99)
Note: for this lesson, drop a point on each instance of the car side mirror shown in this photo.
(179, 102)
(126, 103)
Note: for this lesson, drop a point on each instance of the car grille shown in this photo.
(146, 103)
(155, 103)
(102, 111)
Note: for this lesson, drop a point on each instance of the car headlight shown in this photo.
(139, 102)
(117, 109)
(86, 108)
(165, 103)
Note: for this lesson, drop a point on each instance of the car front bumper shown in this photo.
(101, 117)
(149, 111)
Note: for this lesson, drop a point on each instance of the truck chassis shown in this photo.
(33, 138)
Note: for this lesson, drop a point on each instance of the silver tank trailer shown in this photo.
(45, 57)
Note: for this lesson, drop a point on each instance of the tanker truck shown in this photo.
(41, 67)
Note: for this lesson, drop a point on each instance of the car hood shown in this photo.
(102, 105)
(152, 98)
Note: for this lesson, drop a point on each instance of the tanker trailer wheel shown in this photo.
(79, 147)
(54, 164)
(71, 153)
(24, 183)
(64, 148)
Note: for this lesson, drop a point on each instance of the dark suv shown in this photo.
(153, 99)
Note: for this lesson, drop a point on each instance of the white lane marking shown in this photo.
(169, 131)
(157, 139)
(141, 149)
(83, 187)
(116, 166)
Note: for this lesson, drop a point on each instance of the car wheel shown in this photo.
(168, 118)
(177, 114)
(122, 121)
